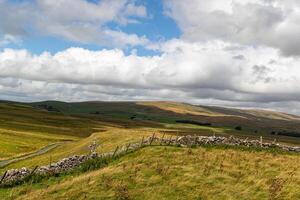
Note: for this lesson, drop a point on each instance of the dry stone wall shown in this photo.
(219, 140)
(70, 163)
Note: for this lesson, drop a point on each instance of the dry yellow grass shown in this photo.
(272, 115)
(109, 140)
(180, 108)
(150, 173)
(180, 173)
(17, 143)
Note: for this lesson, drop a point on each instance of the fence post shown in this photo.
(3, 177)
(162, 139)
(115, 151)
(142, 141)
(261, 141)
(177, 137)
(36, 167)
(50, 161)
(152, 139)
(170, 140)
(127, 147)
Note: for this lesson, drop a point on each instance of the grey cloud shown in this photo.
(13, 18)
(261, 72)
(75, 20)
(37, 91)
(199, 71)
(250, 22)
(228, 54)
(239, 57)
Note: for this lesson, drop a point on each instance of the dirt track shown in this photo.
(45, 149)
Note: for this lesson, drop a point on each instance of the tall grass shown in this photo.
(180, 173)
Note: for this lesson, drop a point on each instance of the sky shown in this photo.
(237, 53)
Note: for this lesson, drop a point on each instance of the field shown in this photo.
(179, 173)
(36, 134)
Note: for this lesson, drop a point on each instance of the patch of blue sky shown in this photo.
(156, 27)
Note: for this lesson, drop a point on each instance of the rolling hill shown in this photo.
(158, 114)
(41, 132)
(177, 173)
(52, 121)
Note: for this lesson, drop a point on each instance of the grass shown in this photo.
(31, 129)
(185, 109)
(178, 173)
(154, 172)
(26, 142)
(25, 118)
(108, 140)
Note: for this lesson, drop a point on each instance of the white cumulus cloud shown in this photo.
(213, 72)
(272, 23)
(75, 20)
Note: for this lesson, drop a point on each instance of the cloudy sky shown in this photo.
(243, 53)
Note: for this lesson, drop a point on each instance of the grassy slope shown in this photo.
(22, 117)
(153, 114)
(255, 123)
(179, 173)
(108, 140)
(16, 143)
(25, 129)
(155, 169)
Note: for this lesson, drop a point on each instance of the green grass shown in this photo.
(25, 129)
(16, 143)
(153, 114)
(151, 173)
(178, 173)
(108, 140)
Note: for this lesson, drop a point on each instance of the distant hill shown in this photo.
(88, 115)
(253, 120)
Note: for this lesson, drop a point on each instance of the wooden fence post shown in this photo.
(177, 137)
(50, 161)
(170, 140)
(115, 151)
(142, 142)
(152, 139)
(127, 147)
(162, 139)
(3, 177)
(36, 167)
(261, 141)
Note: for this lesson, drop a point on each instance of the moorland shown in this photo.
(43, 132)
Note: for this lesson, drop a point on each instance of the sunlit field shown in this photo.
(178, 173)
(152, 172)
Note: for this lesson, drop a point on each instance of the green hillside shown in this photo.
(178, 173)
(159, 114)
(34, 134)
(32, 126)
